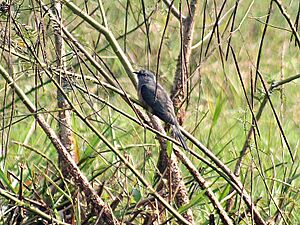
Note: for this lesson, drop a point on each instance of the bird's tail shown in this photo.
(179, 136)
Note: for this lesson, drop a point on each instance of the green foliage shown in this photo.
(217, 112)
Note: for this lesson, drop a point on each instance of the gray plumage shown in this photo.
(157, 101)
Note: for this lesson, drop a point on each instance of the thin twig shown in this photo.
(174, 10)
(288, 19)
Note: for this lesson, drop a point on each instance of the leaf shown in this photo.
(136, 195)
(169, 148)
(5, 180)
(218, 109)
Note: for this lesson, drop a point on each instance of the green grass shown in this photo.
(216, 99)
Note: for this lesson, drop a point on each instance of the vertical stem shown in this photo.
(64, 115)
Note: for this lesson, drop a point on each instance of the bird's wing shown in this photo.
(160, 104)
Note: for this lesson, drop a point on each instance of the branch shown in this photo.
(179, 89)
(288, 19)
(81, 181)
(174, 10)
(18, 202)
(64, 116)
(204, 186)
(108, 35)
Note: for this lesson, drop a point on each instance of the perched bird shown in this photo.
(158, 102)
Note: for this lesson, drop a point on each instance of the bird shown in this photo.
(158, 102)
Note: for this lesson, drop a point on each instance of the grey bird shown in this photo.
(158, 102)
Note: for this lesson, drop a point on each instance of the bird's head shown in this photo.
(145, 76)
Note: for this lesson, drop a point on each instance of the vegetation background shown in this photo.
(66, 73)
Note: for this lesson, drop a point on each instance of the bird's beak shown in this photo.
(136, 72)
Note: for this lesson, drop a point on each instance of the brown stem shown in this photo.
(80, 180)
(64, 115)
(179, 90)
